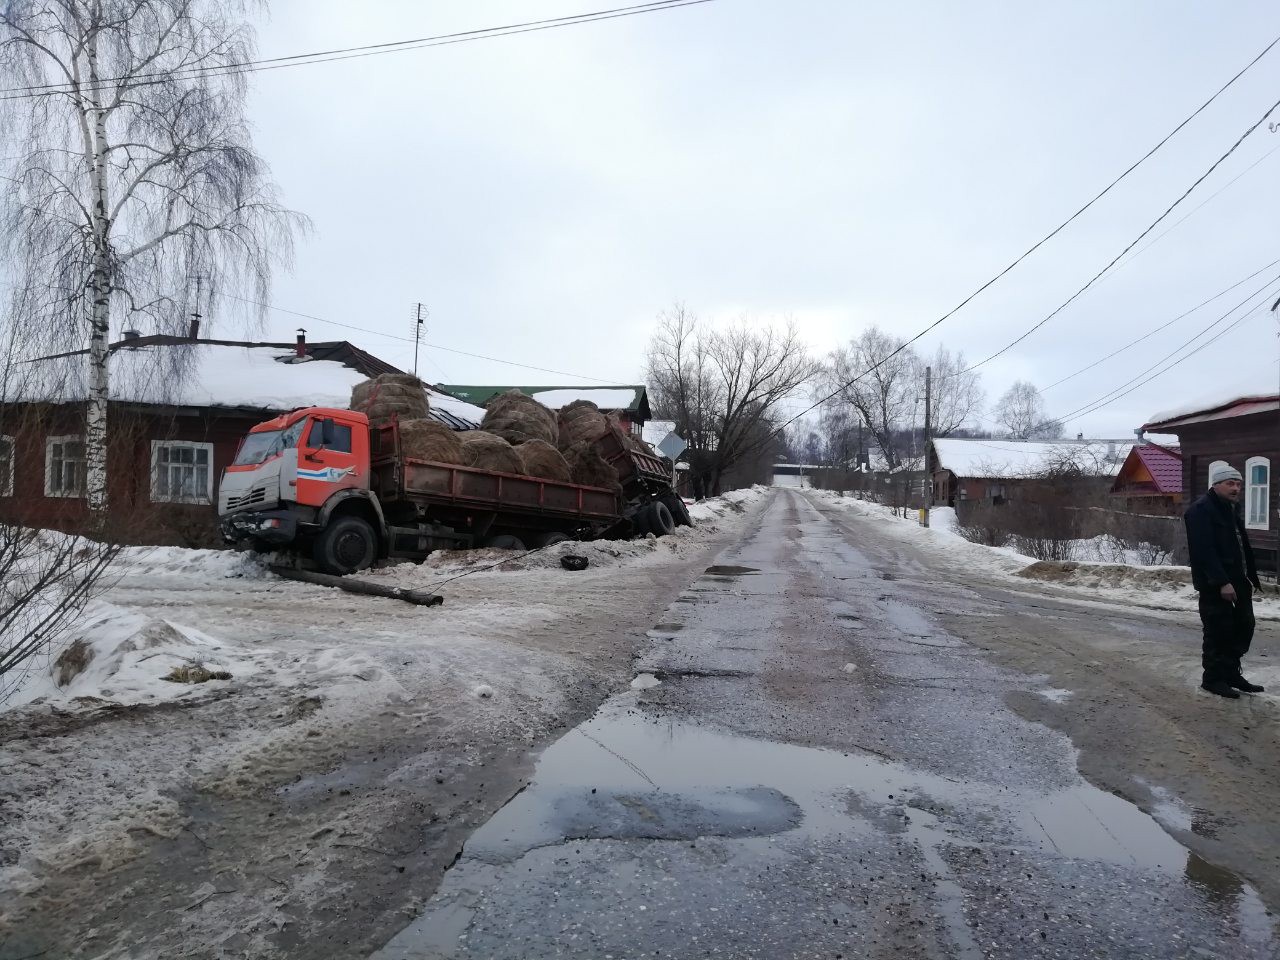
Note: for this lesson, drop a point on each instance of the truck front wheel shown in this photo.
(346, 546)
(661, 522)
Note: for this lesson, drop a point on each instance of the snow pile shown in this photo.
(1109, 575)
(735, 501)
(121, 656)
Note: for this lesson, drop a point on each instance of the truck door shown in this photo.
(327, 461)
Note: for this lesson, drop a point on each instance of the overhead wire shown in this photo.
(930, 327)
(348, 53)
(1155, 223)
(404, 339)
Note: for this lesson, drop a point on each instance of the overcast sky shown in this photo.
(845, 164)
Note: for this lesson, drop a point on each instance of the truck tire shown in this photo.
(640, 522)
(660, 520)
(550, 539)
(505, 541)
(346, 546)
(679, 512)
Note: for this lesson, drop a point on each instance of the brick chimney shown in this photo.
(301, 347)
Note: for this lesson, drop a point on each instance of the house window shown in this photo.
(1257, 478)
(181, 472)
(65, 467)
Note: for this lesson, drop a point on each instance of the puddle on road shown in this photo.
(624, 775)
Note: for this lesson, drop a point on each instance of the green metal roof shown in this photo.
(605, 397)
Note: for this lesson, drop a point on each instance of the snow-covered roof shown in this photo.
(606, 398)
(193, 375)
(1020, 459)
(227, 375)
(1256, 393)
(452, 412)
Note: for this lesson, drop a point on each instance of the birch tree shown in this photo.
(1021, 411)
(130, 172)
(877, 378)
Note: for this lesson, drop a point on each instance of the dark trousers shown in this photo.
(1228, 631)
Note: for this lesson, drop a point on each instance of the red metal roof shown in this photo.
(1164, 464)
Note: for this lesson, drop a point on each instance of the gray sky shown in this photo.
(546, 195)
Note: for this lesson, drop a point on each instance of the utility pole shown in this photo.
(417, 335)
(928, 435)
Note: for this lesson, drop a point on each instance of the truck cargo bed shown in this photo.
(454, 485)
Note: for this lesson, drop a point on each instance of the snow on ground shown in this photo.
(1162, 587)
(309, 671)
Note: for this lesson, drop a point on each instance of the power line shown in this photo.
(1200, 109)
(1153, 332)
(434, 346)
(1155, 223)
(351, 53)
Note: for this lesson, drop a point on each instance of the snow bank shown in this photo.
(1161, 588)
(735, 501)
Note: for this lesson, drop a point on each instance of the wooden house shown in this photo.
(1240, 425)
(1150, 480)
(178, 409)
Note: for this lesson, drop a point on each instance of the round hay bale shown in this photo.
(584, 428)
(518, 426)
(586, 466)
(429, 440)
(541, 459)
(485, 451)
(518, 418)
(578, 408)
(397, 388)
(380, 412)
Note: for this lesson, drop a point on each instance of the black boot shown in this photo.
(1221, 688)
(1240, 683)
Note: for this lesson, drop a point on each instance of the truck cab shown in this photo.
(294, 476)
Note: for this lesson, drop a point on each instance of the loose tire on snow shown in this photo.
(347, 545)
(679, 512)
(660, 520)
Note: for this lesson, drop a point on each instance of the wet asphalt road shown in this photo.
(822, 771)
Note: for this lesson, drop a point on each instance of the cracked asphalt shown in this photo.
(854, 751)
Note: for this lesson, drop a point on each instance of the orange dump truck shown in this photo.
(323, 483)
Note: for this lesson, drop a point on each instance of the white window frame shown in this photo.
(203, 498)
(48, 466)
(1249, 488)
(6, 489)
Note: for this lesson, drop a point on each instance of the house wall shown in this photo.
(1235, 440)
(133, 515)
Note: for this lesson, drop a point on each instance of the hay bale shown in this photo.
(541, 459)
(429, 440)
(586, 466)
(518, 418)
(485, 451)
(388, 394)
(580, 421)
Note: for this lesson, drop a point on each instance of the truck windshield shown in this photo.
(257, 447)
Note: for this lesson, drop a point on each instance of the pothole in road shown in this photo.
(728, 570)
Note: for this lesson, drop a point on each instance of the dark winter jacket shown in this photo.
(1219, 545)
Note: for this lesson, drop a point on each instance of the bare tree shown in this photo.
(957, 392)
(878, 377)
(1021, 411)
(723, 387)
(132, 174)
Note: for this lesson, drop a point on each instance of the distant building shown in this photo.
(1150, 480)
(993, 470)
(1241, 425)
(629, 403)
(177, 412)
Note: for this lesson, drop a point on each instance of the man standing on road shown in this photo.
(1223, 572)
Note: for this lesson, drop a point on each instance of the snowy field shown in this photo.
(102, 749)
(1158, 588)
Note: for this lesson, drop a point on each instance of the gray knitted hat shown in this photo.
(1220, 470)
